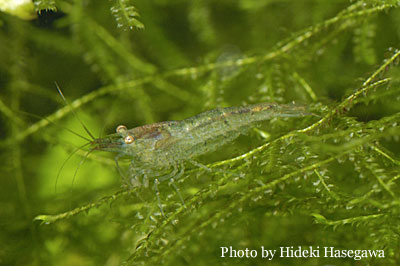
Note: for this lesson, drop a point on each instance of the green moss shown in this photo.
(329, 179)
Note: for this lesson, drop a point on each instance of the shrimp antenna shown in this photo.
(79, 165)
(73, 111)
(64, 163)
(55, 124)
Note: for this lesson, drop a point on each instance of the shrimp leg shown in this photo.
(116, 158)
(173, 176)
(172, 182)
(156, 182)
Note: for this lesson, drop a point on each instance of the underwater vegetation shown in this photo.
(301, 148)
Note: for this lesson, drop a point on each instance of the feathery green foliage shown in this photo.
(330, 179)
(45, 5)
(125, 15)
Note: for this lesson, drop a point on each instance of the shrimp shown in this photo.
(155, 148)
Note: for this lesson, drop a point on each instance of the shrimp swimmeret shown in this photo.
(155, 148)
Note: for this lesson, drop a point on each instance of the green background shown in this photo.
(325, 180)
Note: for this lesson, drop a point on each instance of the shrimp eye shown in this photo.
(121, 128)
(129, 139)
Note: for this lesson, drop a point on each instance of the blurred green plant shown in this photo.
(23, 9)
(330, 179)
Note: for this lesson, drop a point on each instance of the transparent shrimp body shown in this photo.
(156, 148)
(171, 143)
